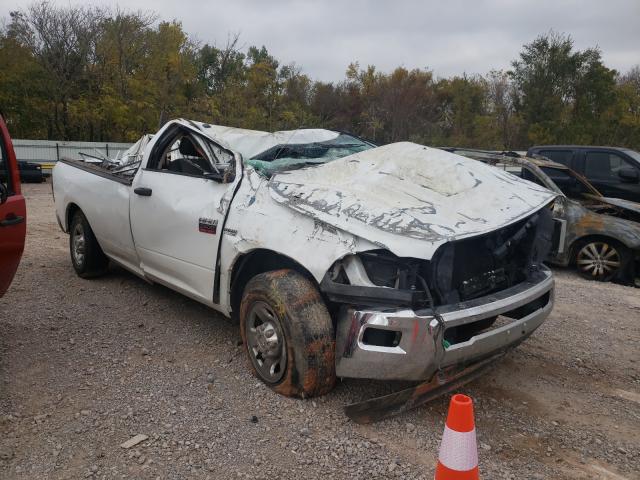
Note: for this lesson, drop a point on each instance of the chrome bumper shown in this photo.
(419, 350)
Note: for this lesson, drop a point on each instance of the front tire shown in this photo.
(601, 259)
(288, 334)
(87, 257)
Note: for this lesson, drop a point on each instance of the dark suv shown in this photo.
(614, 171)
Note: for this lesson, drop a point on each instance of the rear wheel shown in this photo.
(87, 257)
(288, 334)
(601, 260)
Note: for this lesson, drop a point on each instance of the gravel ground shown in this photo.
(87, 364)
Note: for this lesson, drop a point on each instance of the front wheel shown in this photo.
(288, 334)
(601, 260)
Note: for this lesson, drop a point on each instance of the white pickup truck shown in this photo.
(338, 258)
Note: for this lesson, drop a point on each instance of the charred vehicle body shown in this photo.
(337, 257)
(600, 236)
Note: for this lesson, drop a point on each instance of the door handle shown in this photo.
(143, 191)
(11, 221)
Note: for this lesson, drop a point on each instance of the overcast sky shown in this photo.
(447, 36)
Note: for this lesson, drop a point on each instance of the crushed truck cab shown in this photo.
(337, 257)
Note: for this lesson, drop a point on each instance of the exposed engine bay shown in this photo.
(459, 271)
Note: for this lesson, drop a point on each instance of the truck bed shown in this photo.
(121, 174)
(103, 196)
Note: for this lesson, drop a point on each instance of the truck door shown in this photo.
(12, 211)
(612, 174)
(178, 206)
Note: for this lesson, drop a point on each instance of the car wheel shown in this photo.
(601, 260)
(87, 257)
(288, 334)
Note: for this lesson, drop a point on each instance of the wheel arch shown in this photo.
(71, 210)
(254, 262)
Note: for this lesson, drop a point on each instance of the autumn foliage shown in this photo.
(87, 73)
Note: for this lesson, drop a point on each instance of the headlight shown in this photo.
(381, 268)
(377, 277)
(386, 270)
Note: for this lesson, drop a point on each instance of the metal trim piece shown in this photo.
(563, 234)
(96, 171)
(497, 338)
(363, 295)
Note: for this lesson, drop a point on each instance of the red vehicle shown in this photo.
(13, 213)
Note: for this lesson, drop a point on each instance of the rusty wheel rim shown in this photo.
(265, 342)
(598, 260)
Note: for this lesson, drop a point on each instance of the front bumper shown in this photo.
(418, 350)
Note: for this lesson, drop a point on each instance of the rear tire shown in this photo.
(288, 334)
(87, 257)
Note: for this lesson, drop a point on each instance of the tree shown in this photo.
(23, 86)
(219, 68)
(462, 101)
(562, 94)
(102, 74)
(626, 129)
(122, 49)
(500, 128)
(62, 41)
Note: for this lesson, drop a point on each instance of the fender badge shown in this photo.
(207, 225)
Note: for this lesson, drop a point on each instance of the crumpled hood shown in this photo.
(409, 198)
(618, 202)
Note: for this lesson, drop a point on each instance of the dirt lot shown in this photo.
(86, 365)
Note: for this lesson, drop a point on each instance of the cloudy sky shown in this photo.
(448, 36)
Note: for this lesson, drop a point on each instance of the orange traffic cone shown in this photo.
(458, 459)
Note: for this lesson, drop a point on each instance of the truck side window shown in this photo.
(187, 153)
(5, 176)
(604, 165)
(560, 156)
(220, 157)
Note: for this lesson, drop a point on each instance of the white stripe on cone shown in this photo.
(458, 450)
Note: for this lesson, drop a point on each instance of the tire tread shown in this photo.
(96, 262)
(308, 328)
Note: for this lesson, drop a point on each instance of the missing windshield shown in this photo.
(285, 157)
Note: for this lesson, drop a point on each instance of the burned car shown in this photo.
(600, 236)
(336, 257)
